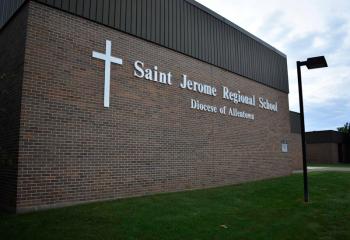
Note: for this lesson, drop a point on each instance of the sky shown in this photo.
(303, 29)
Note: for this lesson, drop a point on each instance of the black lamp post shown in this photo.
(310, 63)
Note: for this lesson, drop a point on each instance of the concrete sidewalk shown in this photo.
(325, 169)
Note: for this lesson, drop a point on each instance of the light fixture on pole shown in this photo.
(310, 63)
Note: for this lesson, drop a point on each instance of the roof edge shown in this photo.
(323, 131)
(228, 22)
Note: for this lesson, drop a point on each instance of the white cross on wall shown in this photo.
(108, 60)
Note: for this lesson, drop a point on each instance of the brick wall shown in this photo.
(73, 150)
(295, 149)
(12, 42)
(322, 153)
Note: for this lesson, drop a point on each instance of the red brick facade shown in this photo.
(295, 149)
(72, 149)
(322, 153)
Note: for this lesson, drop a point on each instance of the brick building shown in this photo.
(295, 147)
(117, 98)
(327, 147)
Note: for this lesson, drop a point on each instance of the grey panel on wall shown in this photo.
(7, 9)
(294, 122)
(184, 26)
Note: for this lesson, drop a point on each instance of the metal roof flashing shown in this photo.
(228, 22)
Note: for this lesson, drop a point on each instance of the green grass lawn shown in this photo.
(270, 209)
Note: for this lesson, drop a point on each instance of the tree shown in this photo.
(345, 129)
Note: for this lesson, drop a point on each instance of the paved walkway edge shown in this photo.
(325, 169)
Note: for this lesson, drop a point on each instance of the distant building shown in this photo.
(327, 147)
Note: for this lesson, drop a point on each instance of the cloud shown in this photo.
(303, 29)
